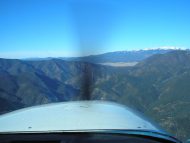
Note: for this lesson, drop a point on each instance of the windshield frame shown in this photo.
(157, 136)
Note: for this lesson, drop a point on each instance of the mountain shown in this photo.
(113, 57)
(30, 83)
(120, 56)
(157, 86)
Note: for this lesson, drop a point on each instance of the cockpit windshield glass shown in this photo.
(135, 53)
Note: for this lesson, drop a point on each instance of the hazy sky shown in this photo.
(42, 28)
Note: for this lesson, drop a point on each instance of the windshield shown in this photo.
(131, 52)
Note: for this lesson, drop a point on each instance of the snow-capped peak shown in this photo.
(166, 48)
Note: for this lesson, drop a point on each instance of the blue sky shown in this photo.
(54, 28)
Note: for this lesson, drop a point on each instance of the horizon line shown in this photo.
(18, 55)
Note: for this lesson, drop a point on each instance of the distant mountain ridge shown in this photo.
(113, 57)
(158, 86)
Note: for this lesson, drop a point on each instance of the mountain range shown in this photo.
(158, 86)
(112, 57)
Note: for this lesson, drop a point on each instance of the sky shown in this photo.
(64, 28)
